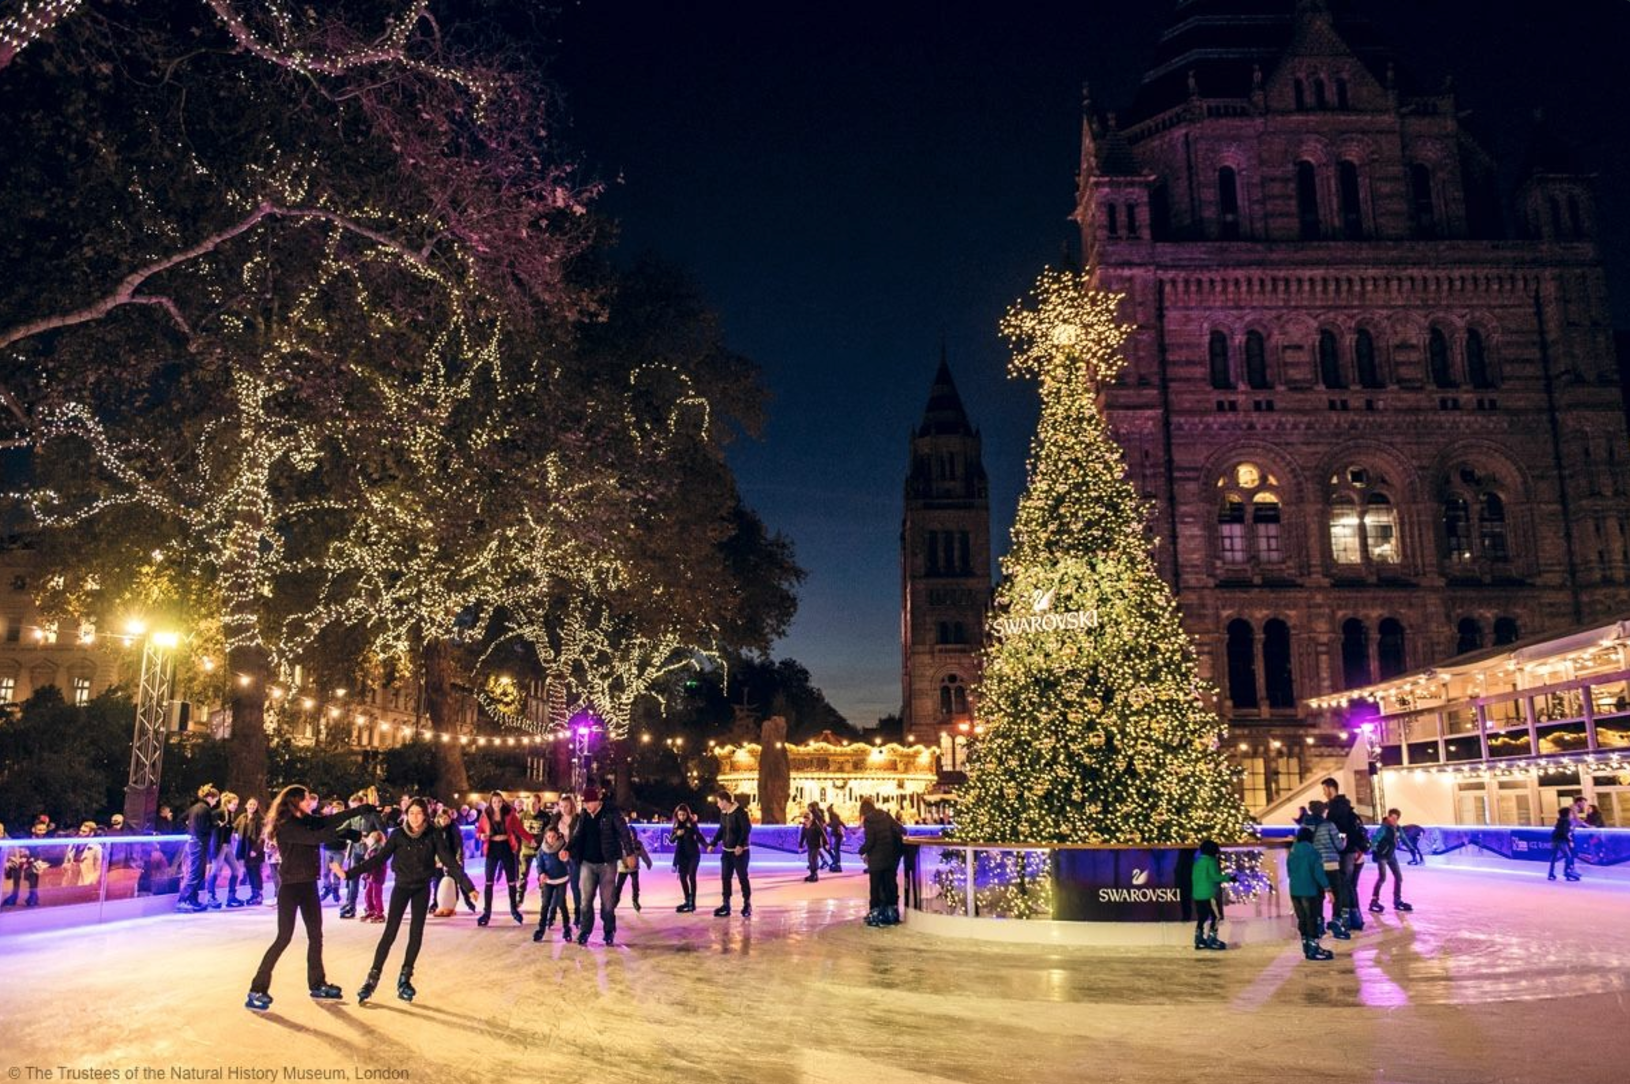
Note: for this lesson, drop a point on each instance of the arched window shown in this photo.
(1556, 218)
(1265, 522)
(932, 552)
(953, 696)
(1437, 356)
(1276, 665)
(1390, 649)
(1341, 93)
(945, 632)
(1423, 212)
(1112, 217)
(1241, 664)
(1468, 635)
(1256, 361)
(1355, 654)
(1369, 373)
(1319, 99)
(1227, 204)
(1344, 544)
(1307, 200)
(1231, 531)
(1330, 374)
(1352, 216)
(1505, 630)
(1381, 529)
(1574, 221)
(1491, 526)
(1301, 95)
(1131, 220)
(1457, 529)
(1477, 365)
(1221, 376)
(959, 633)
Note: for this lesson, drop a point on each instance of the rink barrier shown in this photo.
(1504, 844)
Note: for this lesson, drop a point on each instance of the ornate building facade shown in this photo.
(1372, 398)
(945, 563)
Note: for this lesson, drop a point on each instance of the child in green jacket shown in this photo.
(1208, 881)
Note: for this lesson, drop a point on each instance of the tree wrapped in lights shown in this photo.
(1096, 728)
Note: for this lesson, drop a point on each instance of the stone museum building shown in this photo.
(1372, 394)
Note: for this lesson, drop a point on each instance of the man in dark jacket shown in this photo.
(882, 847)
(1355, 844)
(200, 835)
(732, 840)
(600, 840)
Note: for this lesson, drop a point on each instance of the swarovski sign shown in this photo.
(1042, 619)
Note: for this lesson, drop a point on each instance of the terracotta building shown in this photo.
(945, 573)
(1371, 396)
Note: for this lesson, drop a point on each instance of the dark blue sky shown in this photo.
(852, 182)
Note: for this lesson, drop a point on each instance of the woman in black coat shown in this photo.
(412, 849)
(686, 836)
(299, 835)
(251, 831)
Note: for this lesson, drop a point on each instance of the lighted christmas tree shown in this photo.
(1096, 726)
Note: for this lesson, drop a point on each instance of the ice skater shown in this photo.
(250, 829)
(1385, 853)
(565, 823)
(835, 823)
(552, 876)
(601, 843)
(1308, 885)
(1207, 881)
(881, 847)
(812, 838)
(631, 870)
(1562, 844)
(225, 846)
(299, 834)
(200, 839)
(412, 850)
(686, 836)
(733, 839)
(500, 831)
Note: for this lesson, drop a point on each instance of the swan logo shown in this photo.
(1140, 877)
(1042, 601)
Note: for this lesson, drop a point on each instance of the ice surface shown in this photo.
(1495, 977)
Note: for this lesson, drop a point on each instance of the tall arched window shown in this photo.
(945, 632)
(1391, 656)
(1355, 654)
(953, 696)
(1423, 213)
(1505, 630)
(1265, 523)
(1468, 635)
(1241, 664)
(1231, 531)
(1307, 200)
(1556, 218)
(1492, 527)
(1341, 93)
(1131, 220)
(1477, 365)
(1457, 529)
(1369, 373)
(1381, 529)
(1112, 219)
(1574, 220)
(1227, 203)
(1276, 665)
(1256, 361)
(1301, 94)
(1330, 374)
(1344, 543)
(1437, 357)
(1320, 101)
(1222, 378)
(1352, 215)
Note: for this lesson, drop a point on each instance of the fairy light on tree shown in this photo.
(1096, 730)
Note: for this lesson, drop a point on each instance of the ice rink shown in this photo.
(1496, 977)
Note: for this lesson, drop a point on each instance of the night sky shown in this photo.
(854, 183)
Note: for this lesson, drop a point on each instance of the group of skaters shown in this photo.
(583, 849)
(1326, 862)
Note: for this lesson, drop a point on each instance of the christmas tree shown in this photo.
(1096, 726)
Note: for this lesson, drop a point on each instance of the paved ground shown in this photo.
(1495, 978)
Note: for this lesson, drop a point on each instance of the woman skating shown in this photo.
(299, 835)
(412, 850)
(500, 830)
(251, 831)
(565, 821)
(687, 840)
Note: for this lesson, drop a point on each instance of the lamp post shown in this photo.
(147, 744)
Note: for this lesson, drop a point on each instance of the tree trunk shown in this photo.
(622, 758)
(246, 748)
(452, 782)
